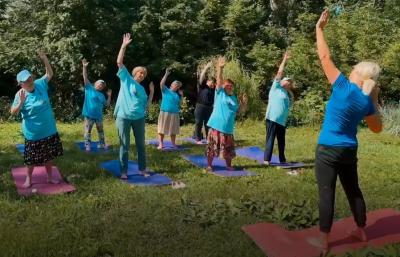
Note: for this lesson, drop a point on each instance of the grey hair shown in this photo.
(368, 70)
(139, 68)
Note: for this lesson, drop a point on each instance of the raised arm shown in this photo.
(164, 79)
(243, 104)
(220, 68)
(281, 69)
(109, 93)
(151, 94)
(330, 70)
(126, 40)
(203, 72)
(49, 70)
(84, 72)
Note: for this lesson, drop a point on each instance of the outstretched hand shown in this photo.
(151, 86)
(22, 96)
(221, 61)
(85, 63)
(126, 39)
(323, 20)
(168, 71)
(41, 54)
(109, 92)
(287, 55)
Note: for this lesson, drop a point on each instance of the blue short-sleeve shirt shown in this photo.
(347, 106)
(37, 115)
(171, 100)
(278, 104)
(224, 112)
(94, 103)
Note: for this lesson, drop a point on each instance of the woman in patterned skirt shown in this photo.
(42, 143)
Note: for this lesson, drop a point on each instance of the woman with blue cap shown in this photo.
(279, 102)
(42, 143)
(168, 120)
(93, 106)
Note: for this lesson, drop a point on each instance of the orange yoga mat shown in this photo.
(383, 227)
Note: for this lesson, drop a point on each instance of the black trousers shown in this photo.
(331, 162)
(202, 114)
(273, 130)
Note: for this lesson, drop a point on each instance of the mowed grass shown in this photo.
(105, 217)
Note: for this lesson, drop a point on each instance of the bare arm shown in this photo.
(126, 40)
(374, 121)
(243, 104)
(330, 70)
(15, 109)
(220, 68)
(49, 70)
(109, 93)
(164, 79)
(84, 72)
(203, 74)
(281, 69)
(151, 94)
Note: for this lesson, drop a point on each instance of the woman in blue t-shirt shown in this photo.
(168, 120)
(351, 101)
(279, 101)
(42, 143)
(220, 138)
(93, 105)
(130, 110)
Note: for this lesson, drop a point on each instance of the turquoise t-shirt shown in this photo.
(346, 107)
(224, 112)
(171, 101)
(37, 115)
(278, 104)
(132, 97)
(94, 103)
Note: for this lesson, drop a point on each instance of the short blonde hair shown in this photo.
(139, 68)
(368, 70)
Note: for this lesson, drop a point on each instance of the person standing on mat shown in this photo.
(220, 138)
(92, 110)
(168, 120)
(352, 99)
(130, 110)
(279, 102)
(204, 105)
(42, 142)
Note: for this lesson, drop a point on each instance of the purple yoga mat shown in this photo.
(219, 166)
(257, 154)
(39, 182)
(167, 145)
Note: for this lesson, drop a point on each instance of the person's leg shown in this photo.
(207, 115)
(269, 139)
(228, 149)
(123, 127)
(88, 130)
(100, 131)
(280, 135)
(160, 141)
(210, 150)
(326, 173)
(198, 123)
(28, 179)
(349, 179)
(139, 132)
(173, 139)
(49, 171)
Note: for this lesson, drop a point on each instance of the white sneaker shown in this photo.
(87, 148)
(266, 163)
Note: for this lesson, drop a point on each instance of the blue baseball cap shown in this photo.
(22, 76)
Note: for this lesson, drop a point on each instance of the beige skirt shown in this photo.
(168, 123)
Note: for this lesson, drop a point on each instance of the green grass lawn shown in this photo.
(105, 217)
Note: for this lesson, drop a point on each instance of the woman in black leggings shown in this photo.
(352, 99)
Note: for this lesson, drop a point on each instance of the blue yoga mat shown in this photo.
(93, 147)
(193, 141)
(20, 148)
(219, 166)
(167, 145)
(134, 176)
(256, 153)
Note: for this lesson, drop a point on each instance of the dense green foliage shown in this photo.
(183, 33)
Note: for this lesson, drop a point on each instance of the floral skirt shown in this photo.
(220, 145)
(40, 151)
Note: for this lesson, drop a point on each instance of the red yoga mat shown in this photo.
(39, 182)
(383, 227)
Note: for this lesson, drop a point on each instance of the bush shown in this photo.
(152, 113)
(391, 118)
(5, 104)
(309, 110)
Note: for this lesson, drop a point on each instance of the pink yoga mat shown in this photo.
(383, 227)
(39, 182)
